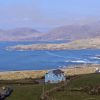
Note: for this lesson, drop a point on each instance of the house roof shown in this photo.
(57, 72)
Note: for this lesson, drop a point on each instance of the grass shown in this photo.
(26, 92)
(25, 89)
(84, 80)
(33, 91)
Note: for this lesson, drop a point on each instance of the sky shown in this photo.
(46, 14)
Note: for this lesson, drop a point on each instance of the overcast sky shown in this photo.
(46, 13)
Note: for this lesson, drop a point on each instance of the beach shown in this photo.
(69, 71)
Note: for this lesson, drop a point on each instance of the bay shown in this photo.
(44, 59)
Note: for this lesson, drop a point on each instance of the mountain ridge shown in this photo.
(19, 34)
(64, 33)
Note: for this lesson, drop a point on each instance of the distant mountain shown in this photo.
(63, 33)
(20, 34)
(74, 32)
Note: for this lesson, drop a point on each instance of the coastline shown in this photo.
(69, 71)
(92, 43)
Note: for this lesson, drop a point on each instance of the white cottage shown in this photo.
(55, 76)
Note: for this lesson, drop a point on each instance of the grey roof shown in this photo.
(57, 72)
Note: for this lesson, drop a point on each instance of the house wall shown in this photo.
(52, 78)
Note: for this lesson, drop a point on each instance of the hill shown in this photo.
(19, 34)
(74, 32)
(64, 33)
(83, 88)
(71, 91)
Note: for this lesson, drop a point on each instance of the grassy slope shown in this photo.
(85, 80)
(25, 93)
(32, 92)
(28, 92)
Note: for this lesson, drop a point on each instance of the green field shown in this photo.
(26, 89)
(28, 92)
(92, 80)
(33, 91)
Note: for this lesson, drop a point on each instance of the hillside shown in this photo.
(86, 87)
(93, 43)
(74, 32)
(19, 34)
(77, 89)
(64, 33)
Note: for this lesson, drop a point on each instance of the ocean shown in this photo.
(44, 59)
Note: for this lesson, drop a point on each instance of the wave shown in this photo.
(82, 61)
(76, 61)
(96, 57)
(56, 55)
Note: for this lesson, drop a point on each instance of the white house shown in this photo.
(55, 76)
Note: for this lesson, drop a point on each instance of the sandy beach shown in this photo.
(71, 70)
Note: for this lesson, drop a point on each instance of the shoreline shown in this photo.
(69, 71)
(92, 43)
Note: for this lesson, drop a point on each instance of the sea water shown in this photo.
(44, 59)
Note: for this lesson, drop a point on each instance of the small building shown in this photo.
(55, 76)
